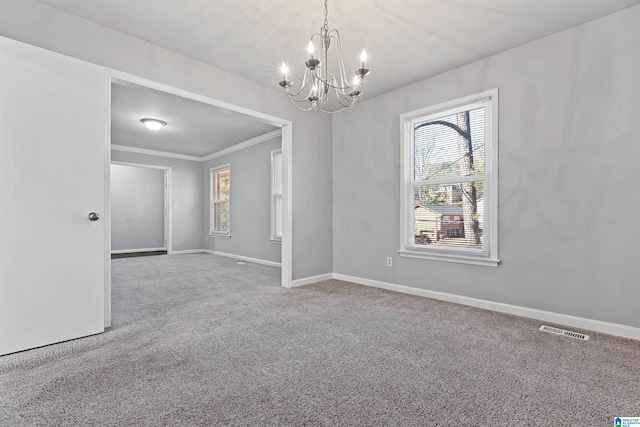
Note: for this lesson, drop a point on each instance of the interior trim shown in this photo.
(227, 255)
(237, 147)
(137, 150)
(242, 145)
(310, 280)
(131, 251)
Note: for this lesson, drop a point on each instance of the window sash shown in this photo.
(486, 229)
(217, 225)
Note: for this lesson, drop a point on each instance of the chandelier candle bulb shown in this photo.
(311, 63)
(310, 49)
(363, 58)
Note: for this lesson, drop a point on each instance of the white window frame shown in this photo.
(213, 202)
(274, 195)
(408, 248)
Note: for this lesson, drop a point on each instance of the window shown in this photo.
(449, 170)
(276, 195)
(219, 209)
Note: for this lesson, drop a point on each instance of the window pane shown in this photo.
(221, 179)
(277, 163)
(278, 212)
(221, 216)
(436, 208)
(450, 146)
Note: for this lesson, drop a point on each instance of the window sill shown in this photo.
(461, 259)
(222, 235)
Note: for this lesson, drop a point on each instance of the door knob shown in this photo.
(93, 216)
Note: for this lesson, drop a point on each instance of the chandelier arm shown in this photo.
(292, 96)
(351, 100)
(334, 111)
(298, 100)
(335, 85)
(343, 75)
(295, 104)
(304, 84)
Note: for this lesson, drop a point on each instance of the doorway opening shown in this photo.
(140, 210)
(187, 227)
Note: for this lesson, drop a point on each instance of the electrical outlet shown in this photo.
(268, 246)
(389, 262)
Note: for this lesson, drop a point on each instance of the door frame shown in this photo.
(116, 76)
(168, 200)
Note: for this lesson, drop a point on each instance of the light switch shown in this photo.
(175, 206)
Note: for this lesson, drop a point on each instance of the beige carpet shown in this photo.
(201, 340)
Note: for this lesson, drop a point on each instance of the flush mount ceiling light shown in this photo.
(318, 82)
(153, 124)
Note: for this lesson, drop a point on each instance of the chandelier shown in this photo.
(318, 83)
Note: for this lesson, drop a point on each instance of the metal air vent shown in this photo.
(565, 333)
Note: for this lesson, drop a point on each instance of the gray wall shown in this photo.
(250, 203)
(186, 189)
(47, 27)
(569, 155)
(137, 207)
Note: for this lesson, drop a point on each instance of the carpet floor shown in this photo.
(200, 340)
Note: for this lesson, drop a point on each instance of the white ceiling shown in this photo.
(407, 41)
(193, 128)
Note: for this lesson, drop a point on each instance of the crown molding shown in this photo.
(155, 153)
(240, 146)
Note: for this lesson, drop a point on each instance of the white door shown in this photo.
(52, 175)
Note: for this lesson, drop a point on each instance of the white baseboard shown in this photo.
(546, 316)
(244, 258)
(312, 279)
(188, 251)
(133, 251)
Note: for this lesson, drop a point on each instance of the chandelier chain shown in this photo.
(326, 13)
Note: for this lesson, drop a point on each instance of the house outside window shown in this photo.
(449, 181)
(219, 210)
(276, 194)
